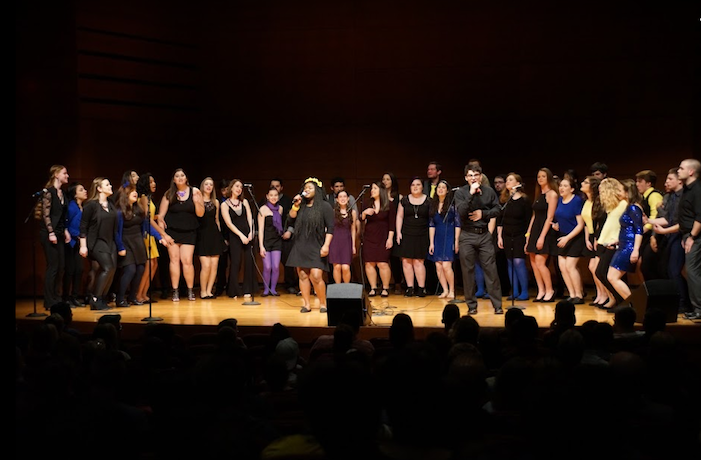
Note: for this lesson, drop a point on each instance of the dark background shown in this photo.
(259, 89)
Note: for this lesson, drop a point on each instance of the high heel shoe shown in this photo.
(191, 294)
(550, 300)
(385, 292)
(372, 293)
(175, 297)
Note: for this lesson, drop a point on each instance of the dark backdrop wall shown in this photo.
(259, 89)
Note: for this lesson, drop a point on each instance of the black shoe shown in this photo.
(372, 293)
(98, 304)
(498, 311)
(472, 311)
(421, 292)
(692, 315)
(265, 294)
(136, 302)
(75, 302)
(409, 292)
(123, 304)
(576, 301)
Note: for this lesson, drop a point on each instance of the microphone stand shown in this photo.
(150, 317)
(253, 256)
(445, 219)
(34, 314)
(513, 264)
(360, 255)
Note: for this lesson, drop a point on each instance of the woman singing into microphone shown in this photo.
(313, 221)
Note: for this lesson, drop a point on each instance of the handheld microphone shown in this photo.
(517, 187)
(367, 186)
(455, 189)
(248, 185)
(304, 194)
(39, 193)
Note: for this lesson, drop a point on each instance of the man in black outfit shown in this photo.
(476, 206)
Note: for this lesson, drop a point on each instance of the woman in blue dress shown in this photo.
(629, 239)
(443, 231)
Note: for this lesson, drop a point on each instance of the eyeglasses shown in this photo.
(473, 175)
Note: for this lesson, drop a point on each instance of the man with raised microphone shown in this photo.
(476, 206)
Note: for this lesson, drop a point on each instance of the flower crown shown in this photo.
(315, 180)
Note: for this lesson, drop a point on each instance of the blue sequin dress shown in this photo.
(631, 225)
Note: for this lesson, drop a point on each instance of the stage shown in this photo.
(258, 314)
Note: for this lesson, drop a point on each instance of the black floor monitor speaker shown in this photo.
(660, 294)
(345, 296)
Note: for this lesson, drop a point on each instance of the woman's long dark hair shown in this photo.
(143, 185)
(394, 190)
(435, 201)
(338, 218)
(310, 220)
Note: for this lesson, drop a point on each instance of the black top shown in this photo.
(486, 200)
(689, 209)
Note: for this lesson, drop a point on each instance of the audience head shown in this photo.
(564, 315)
(466, 329)
(401, 332)
(451, 313)
(624, 318)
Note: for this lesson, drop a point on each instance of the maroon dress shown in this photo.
(341, 247)
(377, 228)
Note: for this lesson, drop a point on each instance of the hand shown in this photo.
(287, 235)
(687, 244)
(369, 212)
(430, 248)
(539, 244)
(653, 243)
(475, 215)
(399, 237)
(83, 251)
(555, 226)
(262, 253)
(634, 256)
(52, 238)
(243, 238)
(389, 243)
(500, 242)
(589, 245)
(354, 250)
(562, 242)
(474, 187)
(297, 199)
(457, 247)
(324, 251)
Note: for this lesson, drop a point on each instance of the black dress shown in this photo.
(514, 218)
(540, 208)
(306, 246)
(209, 238)
(181, 220)
(415, 239)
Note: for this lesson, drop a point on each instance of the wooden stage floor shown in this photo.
(201, 315)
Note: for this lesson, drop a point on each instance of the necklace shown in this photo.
(182, 194)
(416, 211)
(235, 205)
